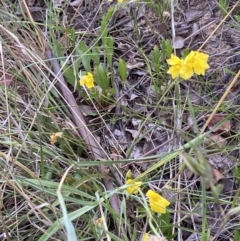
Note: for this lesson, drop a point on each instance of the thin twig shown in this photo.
(213, 32)
(220, 101)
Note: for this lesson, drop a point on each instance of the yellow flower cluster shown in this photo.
(195, 62)
(157, 203)
(87, 80)
(99, 222)
(55, 136)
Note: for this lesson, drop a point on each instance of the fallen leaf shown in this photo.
(178, 42)
(136, 153)
(77, 3)
(215, 141)
(123, 47)
(87, 110)
(225, 127)
(216, 176)
(221, 162)
(192, 14)
(134, 133)
(228, 186)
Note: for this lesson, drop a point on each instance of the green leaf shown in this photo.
(102, 78)
(104, 23)
(69, 75)
(67, 71)
(67, 222)
(95, 54)
(122, 69)
(237, 17)
(107, 41)
(85, 55)
(167, 48)
(72, 33)
(185, 53)
(109, 50)
(223, 5)
(164, 221)
(59, 223)
(104, 31)
(109, 14)
(58, 49)
(237, 174)
(156, 59)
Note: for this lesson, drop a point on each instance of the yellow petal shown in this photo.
(190, 58)
(198, 61)
(174, 71)
(174, 60)
(82, 81)
(134, 186)
(202, 56)
(186, 71)
(89, 84)
(200, 67)
(145, 237)
(157, 202)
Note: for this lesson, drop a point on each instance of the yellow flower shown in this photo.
(87, 80)
(54, 137)
(135, 186)
(195, 62)
(157, 202)
(99, 222)
(177, 65)
(186, 72)
(198, 61)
